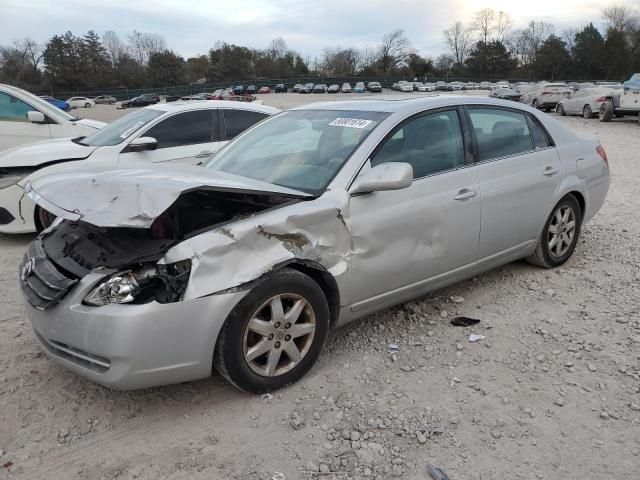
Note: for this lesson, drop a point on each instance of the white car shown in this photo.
(426, 87)
(346, 88)
(25, 118)
(81, 102)
(406, 87)
(189, 132)
(585, 102)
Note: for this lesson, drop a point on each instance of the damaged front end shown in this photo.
(131, 257)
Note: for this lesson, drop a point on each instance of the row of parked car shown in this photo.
(163, 256)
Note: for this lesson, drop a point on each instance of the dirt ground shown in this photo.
(552, 392)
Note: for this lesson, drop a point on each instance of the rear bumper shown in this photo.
(133, 346)
(19, 210)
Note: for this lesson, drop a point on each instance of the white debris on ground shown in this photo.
(553, 391)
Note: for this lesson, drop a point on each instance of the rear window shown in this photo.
(500, 132)
(237, 121)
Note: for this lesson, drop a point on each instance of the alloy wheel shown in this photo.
(562, 230)
(279, 334)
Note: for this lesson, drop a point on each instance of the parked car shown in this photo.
(25, 118)
(585, 102)
(333, 89)
(239, 89)
(312, 219)
(264, 89)
(139, 101)
(189, 132)
(374, 87)
(546, 96)
(61, 104)
(172, 98)
(405, 87)
(505, 94)
(80, 102)
(304, 89)
(251, 90)
(319, 88)
(426, 87)
(346, 88)
(483, 85)
(281, 88)
(296, 88)
(359, 88)
(310, 86)
(623, 102)
(108, 99)
(456, 85)
(522, 87)
(154, 97)
(443, 86)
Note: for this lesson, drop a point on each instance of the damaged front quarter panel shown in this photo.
(242, 251)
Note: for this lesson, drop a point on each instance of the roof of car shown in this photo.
(404, 104)
(196, 104)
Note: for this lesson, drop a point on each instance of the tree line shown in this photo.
(485, 48)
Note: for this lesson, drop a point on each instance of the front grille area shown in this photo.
(43, 284)
(84, 359)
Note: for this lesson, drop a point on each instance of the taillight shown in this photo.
(602, 153)
(601, 99)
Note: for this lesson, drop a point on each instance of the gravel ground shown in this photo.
(553, 391)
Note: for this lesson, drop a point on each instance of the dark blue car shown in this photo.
(61, 104)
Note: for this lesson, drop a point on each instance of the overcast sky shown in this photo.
(193, 26)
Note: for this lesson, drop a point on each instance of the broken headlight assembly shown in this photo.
(160, 283)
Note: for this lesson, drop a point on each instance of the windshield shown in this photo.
(118, 131)
(302, 150)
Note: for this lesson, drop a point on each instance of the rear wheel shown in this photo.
(587, 112)
(275, 334)
(560, 234)
(560, 110)
(606, 112)
(534, 104)
(87, 105)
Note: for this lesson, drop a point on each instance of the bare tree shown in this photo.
(502, 24)
(458, 39)
(484, 23)
(444, 63)
(524, 43)
(30, 51)
(277, 48)
(338, 61)
(394, 50)
(143, 45)
(113, 45)
(569, 37)
(621, 18)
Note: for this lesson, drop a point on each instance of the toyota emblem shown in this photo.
(27, 269)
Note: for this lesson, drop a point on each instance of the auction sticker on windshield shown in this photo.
(350, 122)
(131, 129)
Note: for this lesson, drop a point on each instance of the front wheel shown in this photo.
(560, 234)
(87, 105)
(534, 104)
(560, 110)
(606, 112)
(587, 112)
(275, 334)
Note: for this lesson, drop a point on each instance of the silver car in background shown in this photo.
(309, 220)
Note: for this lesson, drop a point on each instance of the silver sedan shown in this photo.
(308, 220)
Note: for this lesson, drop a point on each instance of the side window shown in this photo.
(237, 121)
(187, 128)
(540, 137)
(500, 132)
(430, 143)
(13, 109)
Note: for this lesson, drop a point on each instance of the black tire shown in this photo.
(42, 219)
(560, 110)
(229, 358)
(543, 257)
(534, 104)
(606, 112)
(587, 112)
(87, 105)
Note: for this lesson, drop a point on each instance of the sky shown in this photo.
(191, 27)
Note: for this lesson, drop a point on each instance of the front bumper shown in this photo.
(133, 346)
(20, 207)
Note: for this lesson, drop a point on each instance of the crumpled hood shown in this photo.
(133, 196)
(47, 151)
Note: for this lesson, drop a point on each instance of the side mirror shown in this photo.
(142, 144)
(35, 117)
(386, 176)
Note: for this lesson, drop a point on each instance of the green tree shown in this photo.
(589, 55)
(553, 61)
(165, 68)
(490, 60)
(96, 71)
(618, 55)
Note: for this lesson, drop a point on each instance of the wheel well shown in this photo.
(326, 282)
(578, 196)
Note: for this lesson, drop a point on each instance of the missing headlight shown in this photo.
(160, 283)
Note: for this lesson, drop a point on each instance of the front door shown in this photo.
(15, 127)
(404, 237)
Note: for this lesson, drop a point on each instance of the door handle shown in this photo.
(203, 154)
(464, 194)
(550, 171)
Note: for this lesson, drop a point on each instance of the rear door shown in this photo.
(518, 174)
(190, 137)
(235, 121)
(15, 127)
